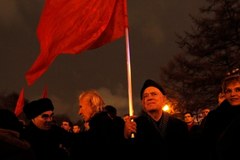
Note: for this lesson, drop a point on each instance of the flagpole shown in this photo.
(130, 101)
(128, 58)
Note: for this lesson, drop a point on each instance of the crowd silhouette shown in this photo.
(152, 132)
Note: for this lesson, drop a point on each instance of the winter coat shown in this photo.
(221, 132)
(12, 147)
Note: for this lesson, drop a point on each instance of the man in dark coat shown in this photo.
(101, 133)
(154, 129)
(46, 139)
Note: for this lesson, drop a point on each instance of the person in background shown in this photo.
(204, 112)
(67, 125)
(112, 111)
(68, 135)
(195, 135)
(46, 139)
(86, 126)
(221, 129)
(189, 120)
(118, 122)
(154, 127)
(76, 128)
(12, 146)
(221, 98)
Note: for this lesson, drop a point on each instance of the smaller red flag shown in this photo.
(20, 103)
(45, 92)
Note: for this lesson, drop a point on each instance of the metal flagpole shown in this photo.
(129, 77)
(131, 110)
(130, 102)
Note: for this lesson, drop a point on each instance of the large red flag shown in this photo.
(72, 26)
(20, 103)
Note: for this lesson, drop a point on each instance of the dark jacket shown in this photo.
(168, 137)
(103, 130)
(221, 132)
(104, 133)
(12, 147)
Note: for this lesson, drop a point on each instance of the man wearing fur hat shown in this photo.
(45, 138)
(154, 128)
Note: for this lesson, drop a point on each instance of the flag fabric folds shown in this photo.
(20, 103)
(73, 26)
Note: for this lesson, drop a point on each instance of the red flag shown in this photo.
(20, 103)
(45, 93)
(73, 26)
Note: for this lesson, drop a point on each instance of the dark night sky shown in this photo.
(152, 45)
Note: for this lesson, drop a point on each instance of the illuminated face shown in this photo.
(188, 118)
(205, 112)
(85, 108)
(76, 129)
(44, 120)
(153, 100)
(65, 125)
(232, 93)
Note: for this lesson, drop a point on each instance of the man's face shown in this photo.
(188, 118)
(85, 109)
(76, 129)
(66, 126)
(44, 120)
(153, 99)
(205, 112)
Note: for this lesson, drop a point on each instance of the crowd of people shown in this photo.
(152, 133)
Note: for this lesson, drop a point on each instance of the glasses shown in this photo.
(46, 116)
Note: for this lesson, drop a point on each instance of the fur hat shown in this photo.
(151, 83)
(35, 108)
(8, 120)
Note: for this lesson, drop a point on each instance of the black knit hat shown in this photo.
(151, 83)
(35, 108)
(8, 120)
